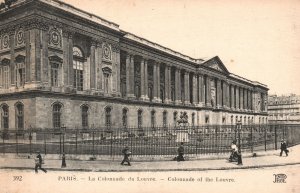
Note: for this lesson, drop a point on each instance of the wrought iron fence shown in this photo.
(153, 141)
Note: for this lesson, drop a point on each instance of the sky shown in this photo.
(256, 39)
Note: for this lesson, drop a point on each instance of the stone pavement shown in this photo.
(264, 159)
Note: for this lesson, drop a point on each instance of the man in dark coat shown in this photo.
(38, 163)
(126, 152)
(283, 148)
(180, 151)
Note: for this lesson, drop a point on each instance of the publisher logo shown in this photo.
(279, 178)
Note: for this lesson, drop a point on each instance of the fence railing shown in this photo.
(152, 141)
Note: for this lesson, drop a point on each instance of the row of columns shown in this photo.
(241, 98)
(197, 86)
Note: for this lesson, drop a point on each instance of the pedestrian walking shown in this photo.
(180, 151)
(283, 148)
(239, 157)
(126, 152)
(63, 161)
(38, 163)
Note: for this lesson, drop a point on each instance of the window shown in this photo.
(223, 120)
(165, 118)
(78, 68)
(5, 117)
(175, 118)
(124, 118)
(106, 82)
(140, 118)
(54, 74)
(108, 117)
(84, 116)
(107, 72)
(56, 114)
(231, 119)
(193, 119)
(20, 71)
(152, 118)
(6, 77)
(206, 119)
(20, 116)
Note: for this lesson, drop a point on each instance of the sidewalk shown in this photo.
(269, 159)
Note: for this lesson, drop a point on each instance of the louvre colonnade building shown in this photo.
(61, 66)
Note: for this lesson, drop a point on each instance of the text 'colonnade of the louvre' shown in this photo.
(63, 67)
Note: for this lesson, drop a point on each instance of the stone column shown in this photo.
(146, 80)
(249, 100)
(219, 94)
(177, 86)
(93, 66)
(66, 58)
(224, 94)
(187, 87)
(37, 55)
(241, 99)
(245, 99)
(142, 79)
(208, 91)
(168, 84)
(237, 96)
(232, 97)
(70, 59)
(195, 90)
(155, 82)
(227, 95)
(129, 76)
(158, 99)
(201, 90)
(98, 64)
(12, 57)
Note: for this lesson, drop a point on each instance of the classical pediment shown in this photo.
(216, 64)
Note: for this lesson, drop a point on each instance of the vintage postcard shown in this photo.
(149, 96)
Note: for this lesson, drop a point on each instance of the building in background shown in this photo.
(284, 109)
(64, 67)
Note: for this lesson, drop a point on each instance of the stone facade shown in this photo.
(284, 109)
(60, 66)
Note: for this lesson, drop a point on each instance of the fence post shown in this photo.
(93, 151)
(3, 141)
(275, 130)
(30, 138)
(60, 143)
(265, 138)
(76, 135)
(45, 148)
(111, 143)
(17, 147)
(251, 138)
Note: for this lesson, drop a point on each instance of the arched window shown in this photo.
(140, 118)
(124, 117)
(56, 115)
(78, 60)
(5, 117)
(153, 118)
(108, 117)
(231, 119)
(175, 118)
(20, 116)
(84, 116)
(193, 119)
(165, 119)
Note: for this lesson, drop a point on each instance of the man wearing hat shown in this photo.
(283, 147)
(126, 152)
(38, 163)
